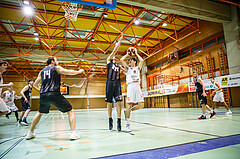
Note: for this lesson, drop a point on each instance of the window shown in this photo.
(149, 16)
(185, 54)
(165, 62)
(158, 65)
(152, 68)
(221, 39)
(209, 43)
(20, 27)
(196, 49)
(81, 32)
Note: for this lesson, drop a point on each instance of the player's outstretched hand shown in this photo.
(10, 84)
(81, 71)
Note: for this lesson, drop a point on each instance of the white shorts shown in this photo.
(12, 106)
(3, 106)
(218, 97)
(134, 93)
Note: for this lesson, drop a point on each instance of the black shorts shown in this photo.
(202, 99)
(25, 105)
(113, 90)
(53, 98)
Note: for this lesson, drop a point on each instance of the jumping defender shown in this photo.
(50, 78)
(200, 89)
(217, 95)
(113, 87)
(135, 98)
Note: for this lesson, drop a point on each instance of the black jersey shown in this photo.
(50, 80)
(113, 71)
(28, 92)
(198, 85)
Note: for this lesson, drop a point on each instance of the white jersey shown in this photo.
(133, 75)
(215, 87)
(9, 96)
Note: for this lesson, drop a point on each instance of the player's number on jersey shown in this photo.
(47, 74)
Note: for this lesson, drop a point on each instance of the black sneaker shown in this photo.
(212, 114)
(7, 116)
(202, 117)
(110, 121)
(119, 127)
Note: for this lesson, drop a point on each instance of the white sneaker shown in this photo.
(228, 112)
(24, 123)
(128, 128)
(74, 136)
(30, 135)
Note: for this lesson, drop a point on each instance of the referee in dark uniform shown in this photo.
(200, 89)
(50, 78)
(113, 87)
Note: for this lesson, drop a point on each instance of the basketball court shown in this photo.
(181, 47)
(158, 133)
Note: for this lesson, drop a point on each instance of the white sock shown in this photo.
(74, 131)
(204, 114)
(128, 122)
(31, 131)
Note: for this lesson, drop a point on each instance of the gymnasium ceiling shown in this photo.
(72, 41)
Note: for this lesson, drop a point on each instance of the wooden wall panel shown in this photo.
(235, 96)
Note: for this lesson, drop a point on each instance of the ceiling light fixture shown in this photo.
(28, 10)
(26, 2)
(105, 15)
(36, 34)
(164, 24)
(92, 39)
(36, 38)
(137, 21)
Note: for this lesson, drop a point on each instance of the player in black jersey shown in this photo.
(50, 78)
(113, 86)
(26, 93)
(200, 89)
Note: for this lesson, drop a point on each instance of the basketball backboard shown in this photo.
(110, 4)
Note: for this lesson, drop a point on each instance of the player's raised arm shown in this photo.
(123, 62)
(140, 59)
(6, 85)
(110, 57)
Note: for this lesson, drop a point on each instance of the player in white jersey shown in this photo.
(3, 68)
(218, 96)
(135, 98)
(8, 97)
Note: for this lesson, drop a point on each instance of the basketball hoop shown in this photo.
(71, 10)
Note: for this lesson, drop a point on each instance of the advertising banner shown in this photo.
(224, 81)
(155, 93)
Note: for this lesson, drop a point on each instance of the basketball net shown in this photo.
(71, 10)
